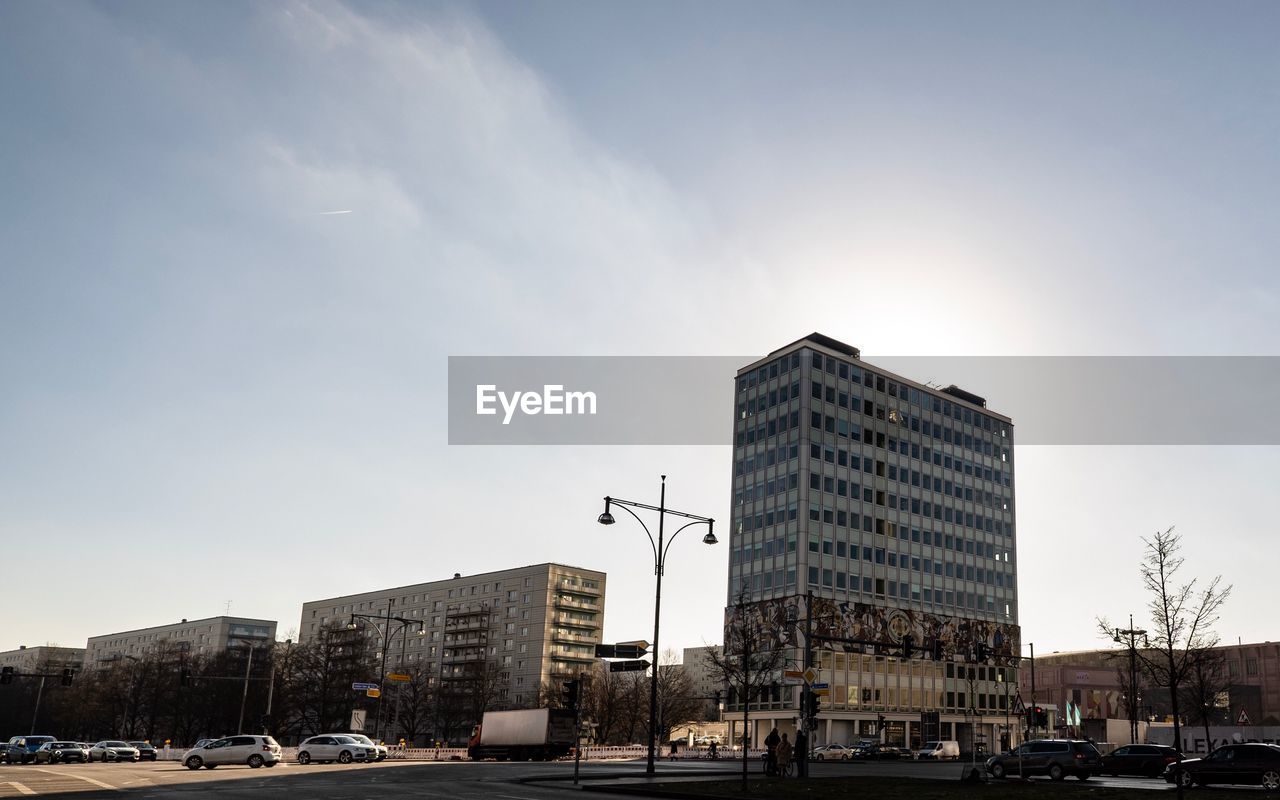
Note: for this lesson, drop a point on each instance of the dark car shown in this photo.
(145, 751)
(61, 753)
(1138, 759)
(22, 749)
(874, 751)
(1252, 764)
(1056, 758)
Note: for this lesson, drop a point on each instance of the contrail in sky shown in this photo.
(327, 213)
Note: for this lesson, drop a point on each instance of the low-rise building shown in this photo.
(45, 657)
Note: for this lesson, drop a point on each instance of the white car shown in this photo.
(255, 751)
(380, 750)
(328, 747)
(112, 750)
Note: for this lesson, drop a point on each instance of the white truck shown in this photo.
(537, 734)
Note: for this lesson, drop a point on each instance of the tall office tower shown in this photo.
(873, 540)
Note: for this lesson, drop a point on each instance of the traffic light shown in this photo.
(980, 651)
(717, 698)
(907, 648)
(6, 675)
(571, 693)
(938, 652)
(184, 678)
(880, 720)
(812, 702)
(67, 676)
(1039, 717)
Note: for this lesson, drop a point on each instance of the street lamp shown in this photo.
(660, 547)
(385, 636)
(1118, 635)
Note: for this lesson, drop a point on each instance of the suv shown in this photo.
(1249, 763)
(256, 751)
(22, 749)
(1138, 759)
(338, 747)
(1056, 758)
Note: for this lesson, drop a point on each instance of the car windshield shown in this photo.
(138, 744)
(114, 744)
(345, 739)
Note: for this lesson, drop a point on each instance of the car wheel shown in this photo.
(1271, 780)
(195, 762)
(210, 766)
(1185, 779)
(1055, 772)
(1084, 776)
(344, 757)
(271, 763)
(820, 757)
(304, 757)
(997, 771)
(255, 761)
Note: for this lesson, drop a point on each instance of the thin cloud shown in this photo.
(328, 213)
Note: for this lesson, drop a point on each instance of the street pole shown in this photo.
(36, 714)
(746, 695)
(382, 676)
(1133, 701)
(1034, 722)
(244, 697)
(805, 720)
(657, 609)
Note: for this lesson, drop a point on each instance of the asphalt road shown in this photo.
(393, 779)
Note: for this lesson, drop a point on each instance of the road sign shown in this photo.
(628, 666)
(816, 686)
(793, 673)
(399, 677)
(810, 675)
(373, 692)
(359, 686)
(357, 720)
(606, 651)
(1243, 719)
(641, 643)
(630, 650)
(822, 692)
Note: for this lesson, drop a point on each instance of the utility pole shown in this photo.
(1132, 701)
(1034, 722)
(244, 697)
(36, 713)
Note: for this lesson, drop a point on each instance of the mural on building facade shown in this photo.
(875, 629)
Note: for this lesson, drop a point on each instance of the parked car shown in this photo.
(62, 753)
(831, 752)
(255, 751)
(874, 751)
(329, 747)
(1139, 759)
(202, 743)
(380, 750)
(1252, 764)
(22, 749)
(942, 750)
(145, 751)
(112, 750)
(1056, 758)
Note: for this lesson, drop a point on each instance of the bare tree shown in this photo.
(416, 704)
(749, 661)
(677, 703)
(1206, 682)
(1182, 619)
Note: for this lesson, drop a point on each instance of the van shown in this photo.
(945, 750)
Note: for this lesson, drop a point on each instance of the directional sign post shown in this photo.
(399, 677)
(363, 687)
(628, 666)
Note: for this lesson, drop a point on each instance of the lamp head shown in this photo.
(606, 518)
(710, 538)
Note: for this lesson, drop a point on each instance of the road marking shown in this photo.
(78, 777)
(21, 789)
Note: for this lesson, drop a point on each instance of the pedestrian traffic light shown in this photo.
(67, 676)
(6, 675)
(937, 649)
(571, 693)
(907, 646)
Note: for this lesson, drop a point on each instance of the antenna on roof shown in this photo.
(228, 608)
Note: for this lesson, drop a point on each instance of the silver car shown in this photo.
(329, 747)
(380, 750)
(113, 750)
(254, 751)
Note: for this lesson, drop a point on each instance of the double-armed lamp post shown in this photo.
(385, 634)
(660, 547)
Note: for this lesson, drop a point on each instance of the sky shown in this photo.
(220, 392)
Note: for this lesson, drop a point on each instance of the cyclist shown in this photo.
(784, 756)
(771, 752)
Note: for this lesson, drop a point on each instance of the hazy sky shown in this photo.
(215, 391)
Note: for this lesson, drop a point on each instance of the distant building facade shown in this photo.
(707, 685)
(34, 659)
(201, 637)
(537, 625)
(1092, 680)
